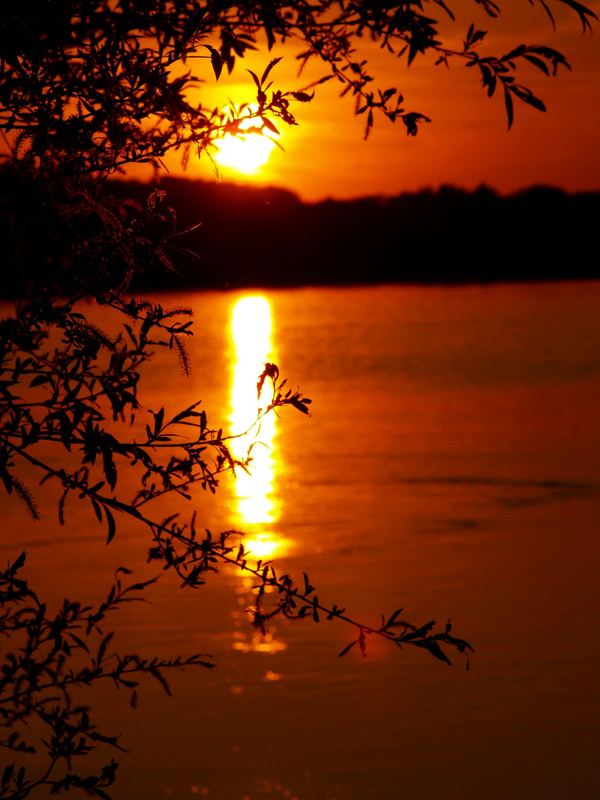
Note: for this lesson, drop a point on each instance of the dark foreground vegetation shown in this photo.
(445, 236)
(88, 87)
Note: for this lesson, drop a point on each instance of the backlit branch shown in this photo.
(179, 547)
(146, 70)
(50, 658)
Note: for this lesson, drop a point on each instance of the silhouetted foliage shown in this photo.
(104, 94)
(87, 87)
(51, 657)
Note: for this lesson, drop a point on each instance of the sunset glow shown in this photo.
(325, 154)
(300, 323)
(245, 153)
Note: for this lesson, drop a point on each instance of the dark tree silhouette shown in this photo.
(87, 87)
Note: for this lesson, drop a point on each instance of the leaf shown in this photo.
(347, 648)
(362, 643)
(301, 404)
(187, 412)
(270, 371)
(215, 60)
(548, 11)
(268, 124)
(315, 610)
(7, 774)
(518, 51)
(419, 633)
(508, 102)
(392, 619)
(161, 679)
(102, 649)
(138, 587)
(302, 97)
(80, 642)
(97, 508)
(537, 62)
(158, 420)
(108, 464)
(254, 78)
(25, 495)
(369, 124)
(112, 528)
(437, 651)
(270, 66)
(308, 588)
(532, 100)
(18, 562)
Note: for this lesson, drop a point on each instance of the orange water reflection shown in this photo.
(257, 503)
(252, 641)
(251, 328)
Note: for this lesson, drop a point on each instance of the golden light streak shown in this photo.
(251, 336)
(257, 506)
(256, 643)
(245, 641)
(263, 546)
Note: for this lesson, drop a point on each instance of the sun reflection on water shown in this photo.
(253, 641)
(257, 506)
(251, 328)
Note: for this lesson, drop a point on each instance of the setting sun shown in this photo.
(245, 152)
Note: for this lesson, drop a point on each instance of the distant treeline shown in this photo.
(267, 237)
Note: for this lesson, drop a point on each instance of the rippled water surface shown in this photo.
(451, 466)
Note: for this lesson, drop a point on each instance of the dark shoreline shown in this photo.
(270, 238)
(253, 237)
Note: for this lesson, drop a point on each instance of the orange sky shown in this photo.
(467, 142)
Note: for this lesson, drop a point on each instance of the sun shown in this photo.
(244, 152)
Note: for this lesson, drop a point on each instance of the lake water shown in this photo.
(451, 466)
